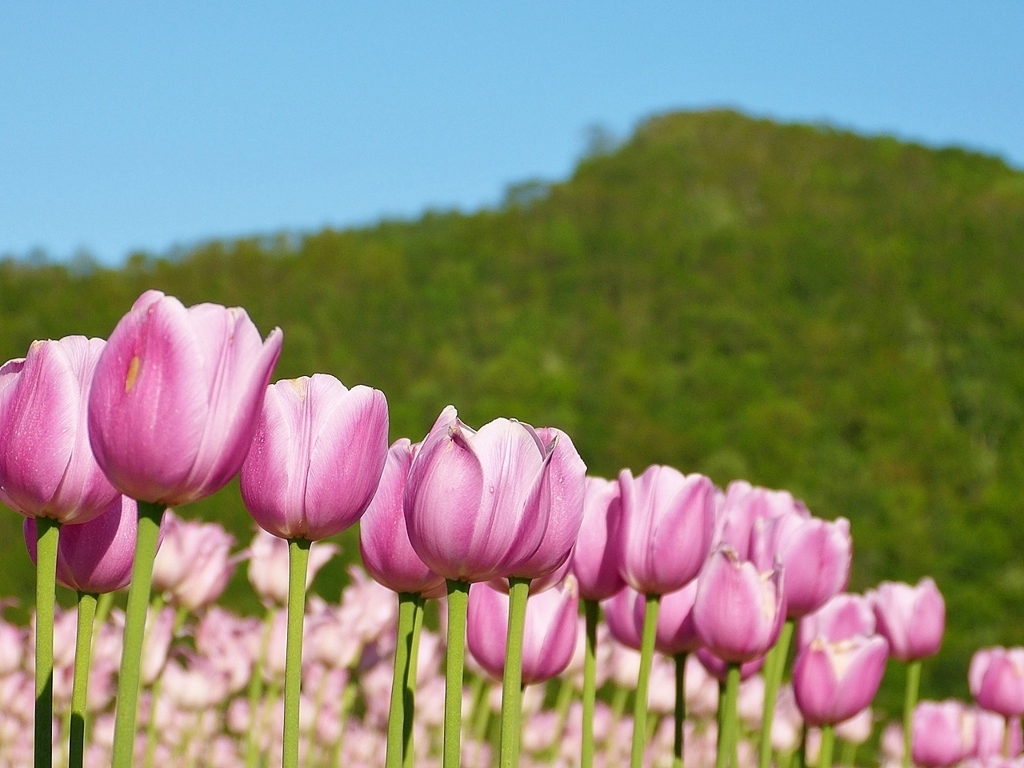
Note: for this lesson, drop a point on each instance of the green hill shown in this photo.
(798, 306)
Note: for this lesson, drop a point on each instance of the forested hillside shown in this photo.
(801, 307)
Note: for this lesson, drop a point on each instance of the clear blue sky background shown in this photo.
(144, 125)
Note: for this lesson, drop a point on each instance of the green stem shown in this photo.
(103, 606)
(298, 560)
(680, 711)
(399, 678)
(409, 699)
(727, 726)
(651, 605)
(80, 692)
(47, 532)
(1006, 737)
(849, 754)
(512, 682)
(909, 702)
(458, 605)
(255, 692)
(592, 611)
(134, 633)
(828, 740)
(774, 668)
(784, 759)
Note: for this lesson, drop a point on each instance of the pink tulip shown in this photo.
(942, 734)
(176, 397)
(833, 681)
(384, 543)
(620, 616)
(857, 729)
(548, 639)
(194, 563)
(815, 553)
(738, 611)
(268, 566)
(842, 617)
(743, 505)
(996, 678)
(504, 501)
(97, 555)
(594, 561)
(788, 723)
(46, 466)
(718, 668)
(665, 532)
(316, 457)
(990, 735)
(912, 619)
(676, 632)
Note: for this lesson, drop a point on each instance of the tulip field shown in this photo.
(510, 610)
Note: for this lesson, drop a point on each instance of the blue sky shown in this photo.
(131, 125)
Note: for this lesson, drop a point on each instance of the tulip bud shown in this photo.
(47, 468)
(842, 617)
(743, 505)
(95, 556)
(194, 563)
(268, 566)
(176, 396)
(738, 611)
(384, 544)
(478, 505)
(833, 681)
(942, 733)
(316, 457)
(549, 637)
(912, 619)
(667, 523)
(996, 678)
(815, 553)
(594, 562)
(620, 616)
(676, 631)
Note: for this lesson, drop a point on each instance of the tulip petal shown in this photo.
(347, 457)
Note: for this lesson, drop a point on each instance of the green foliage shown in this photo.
(798, 306)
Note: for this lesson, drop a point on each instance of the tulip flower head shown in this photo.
(667, 524)
(176, 396)
(844, 616)
(738, 611)
(47, 468)
(595, 557)
(95, 556)
(316, 457)
(942, 733)
(268, 566)
(833, 681)
(383, 538)
(815, 553)
(620, 613)
(996, 678)
(912, 619)
(549, 637)
(504, 501)
(743, 505)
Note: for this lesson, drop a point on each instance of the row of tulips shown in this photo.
(98, 439)
(201, 664)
